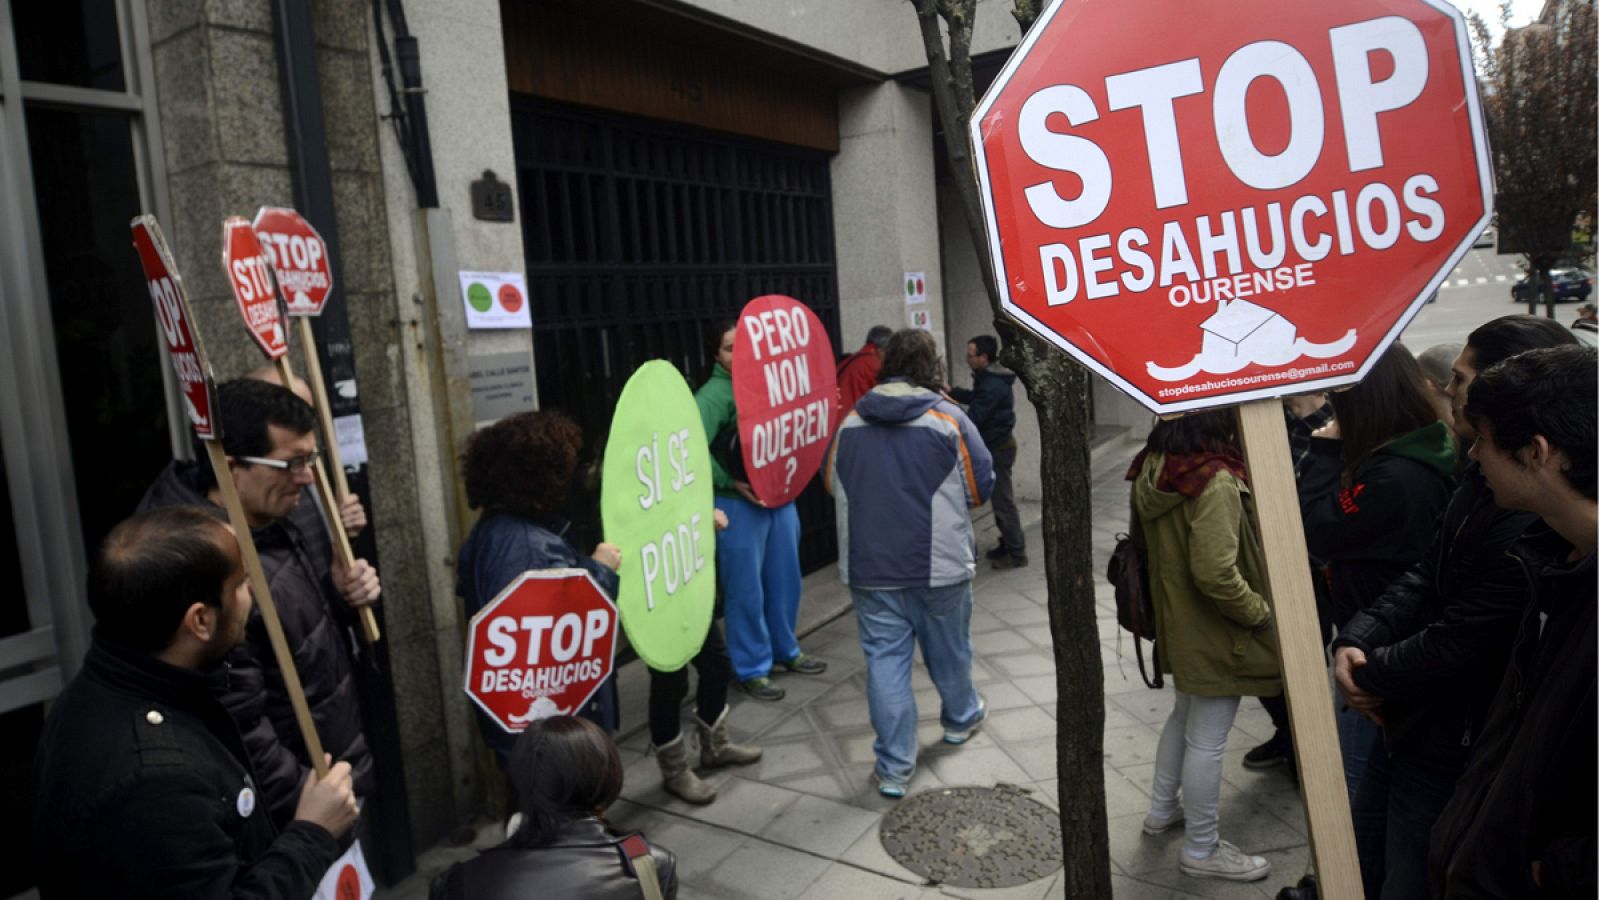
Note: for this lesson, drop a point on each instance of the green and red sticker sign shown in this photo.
(655, 499)
(495, 300)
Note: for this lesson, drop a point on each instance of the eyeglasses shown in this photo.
(294, 465)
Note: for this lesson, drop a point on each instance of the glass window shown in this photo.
(87, 192)
(13, 612)
(72, 42)
(21, 728)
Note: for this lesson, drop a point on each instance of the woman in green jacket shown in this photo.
(1193, 517)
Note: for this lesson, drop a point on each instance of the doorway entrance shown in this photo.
(639, 235)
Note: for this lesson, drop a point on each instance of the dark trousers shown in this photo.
(1395, 808)
(1004, 500)
(667, 689)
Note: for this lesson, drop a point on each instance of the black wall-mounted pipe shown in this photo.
(410, 107)
(389, 852)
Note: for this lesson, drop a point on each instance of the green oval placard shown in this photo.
(656, 504)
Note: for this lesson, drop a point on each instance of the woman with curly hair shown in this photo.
(517, 471)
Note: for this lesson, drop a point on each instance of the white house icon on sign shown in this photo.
(1240, 334)
(1242, 330)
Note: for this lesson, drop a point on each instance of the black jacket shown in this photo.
(990, 405)
(1529, 793)
(295, 555)
(142, 788)
(586, 862)
(1372, 531)
(1438, 639)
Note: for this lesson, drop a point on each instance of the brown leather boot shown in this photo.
(678, 778)
(717, 749)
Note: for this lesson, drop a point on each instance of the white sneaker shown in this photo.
(512, 824)
(1226, 862)
(962, 736)
(1153, 825)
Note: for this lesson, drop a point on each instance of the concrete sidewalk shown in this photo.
(803, 823)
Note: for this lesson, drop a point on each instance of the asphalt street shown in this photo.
(1479, 289)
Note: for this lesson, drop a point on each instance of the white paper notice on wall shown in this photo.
(495, 300)
(920, 317)
(352, 441)
(916, 288)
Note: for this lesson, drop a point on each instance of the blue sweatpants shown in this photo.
(758, 560)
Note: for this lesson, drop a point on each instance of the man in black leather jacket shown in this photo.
(142, 786)
(1427, 657)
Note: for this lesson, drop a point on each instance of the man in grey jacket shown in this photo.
(904, 468)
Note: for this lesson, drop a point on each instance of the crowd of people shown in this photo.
(1450, 528)
(1450, 520)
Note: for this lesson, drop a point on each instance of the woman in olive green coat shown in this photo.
(1194, 519)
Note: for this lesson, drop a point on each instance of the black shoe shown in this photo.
(1266, 756)
(1305, 890)
(1011, 561)
(999, 552)
(805, 665)
(762, 689)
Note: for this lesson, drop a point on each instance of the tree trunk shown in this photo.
(1058, 388)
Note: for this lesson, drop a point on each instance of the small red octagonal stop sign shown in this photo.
(299, 257)
(246, 265)
(541, 648)
(1207, 208)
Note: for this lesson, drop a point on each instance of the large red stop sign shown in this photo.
(1208, 206)
(541, 648)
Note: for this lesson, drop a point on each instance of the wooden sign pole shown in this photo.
(1300, 650)
(319, 391)
(184, 345)
(269, 610)
(341, 538)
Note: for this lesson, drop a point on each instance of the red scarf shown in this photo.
(1188, 474)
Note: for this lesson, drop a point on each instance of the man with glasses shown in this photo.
(267, 434)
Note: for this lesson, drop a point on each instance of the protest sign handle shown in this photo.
(330, 506)
(319, 391)
(269, 610)
(341, 546)
(1300, 651)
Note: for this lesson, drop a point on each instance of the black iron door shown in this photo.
(639, 236)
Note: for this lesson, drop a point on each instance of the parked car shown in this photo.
(1485, 238)
(1566, 284)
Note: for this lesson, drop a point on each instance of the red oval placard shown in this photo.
(783, 386)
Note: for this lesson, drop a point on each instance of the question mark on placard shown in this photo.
(791, 465)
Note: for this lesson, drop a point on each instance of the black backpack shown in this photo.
(1129, 574)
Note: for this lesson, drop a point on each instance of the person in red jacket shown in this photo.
(858, 372)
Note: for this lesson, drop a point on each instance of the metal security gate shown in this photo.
(639, 236)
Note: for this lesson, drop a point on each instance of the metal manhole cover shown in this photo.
(974, 837)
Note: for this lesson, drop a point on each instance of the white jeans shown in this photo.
(1190, 756)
